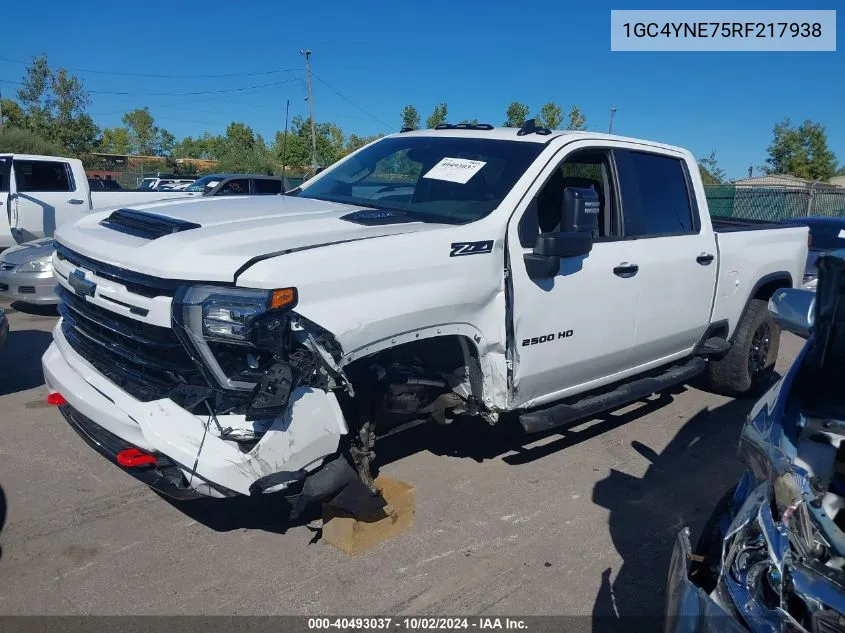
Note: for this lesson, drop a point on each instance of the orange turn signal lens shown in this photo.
(283, 298)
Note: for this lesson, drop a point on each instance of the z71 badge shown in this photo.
(471, 248)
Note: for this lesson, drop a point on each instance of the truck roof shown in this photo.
(512, 134)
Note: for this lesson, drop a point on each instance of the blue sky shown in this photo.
(379, 56)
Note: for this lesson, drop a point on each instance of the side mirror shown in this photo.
(794, 310)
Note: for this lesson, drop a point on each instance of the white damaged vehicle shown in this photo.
(243, 346)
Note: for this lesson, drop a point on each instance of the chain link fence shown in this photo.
(774, 203)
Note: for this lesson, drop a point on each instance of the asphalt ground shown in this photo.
(579, 522)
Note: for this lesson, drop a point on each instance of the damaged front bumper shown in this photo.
(688, 608)
(296, 443)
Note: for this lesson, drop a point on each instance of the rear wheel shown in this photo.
(748, 367)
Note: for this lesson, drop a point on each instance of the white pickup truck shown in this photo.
(245, 346)
(38, 193)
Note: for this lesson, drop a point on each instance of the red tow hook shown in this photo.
(134, 457)
(56, 399)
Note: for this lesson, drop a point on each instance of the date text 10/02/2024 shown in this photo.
(417, 623)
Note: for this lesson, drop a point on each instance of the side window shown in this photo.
(586, 169)
(267, 186)
(654, 193)
(235, 187)
(42, 175)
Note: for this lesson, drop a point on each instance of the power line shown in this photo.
(350, 102)
(172, 94)
(156, 76)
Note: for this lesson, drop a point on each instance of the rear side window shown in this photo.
(655, 195)
(267, 186)
(42, 175)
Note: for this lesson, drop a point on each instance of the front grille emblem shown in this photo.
(80, 285)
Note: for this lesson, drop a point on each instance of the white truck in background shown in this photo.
(225, 346)
(39, 193)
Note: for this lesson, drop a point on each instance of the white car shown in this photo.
(26, 273)
(240, 346)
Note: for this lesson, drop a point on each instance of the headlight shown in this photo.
(219, 324)
(42, 265)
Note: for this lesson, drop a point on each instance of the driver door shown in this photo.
(575, 330)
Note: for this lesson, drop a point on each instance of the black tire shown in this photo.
(747, 369)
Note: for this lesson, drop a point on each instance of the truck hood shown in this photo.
(213, 239)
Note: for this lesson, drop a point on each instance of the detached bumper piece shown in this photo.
(688, 608)
(164, 475)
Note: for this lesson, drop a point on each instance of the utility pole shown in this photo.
(285, 142)
(610, 127)
(1, 110)
(307, 55)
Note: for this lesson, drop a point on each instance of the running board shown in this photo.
(556, 415)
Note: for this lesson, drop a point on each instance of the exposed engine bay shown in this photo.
(774, 551)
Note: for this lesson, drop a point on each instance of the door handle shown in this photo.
(75, 201)
(705, 259)
(626, 270)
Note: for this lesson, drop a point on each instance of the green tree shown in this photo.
(34, 96)
(711, 173)
(142, 131)
(410, 117)
(115, 141)
(53, 106)
(243, 151)
(356, 142)
(20, 141)
(517, 113)
(13, 115)
(437, 117)
(71, 126)
(551, 116)
(801, 151)
(576, 119)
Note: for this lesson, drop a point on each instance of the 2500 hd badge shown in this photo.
(547, 338)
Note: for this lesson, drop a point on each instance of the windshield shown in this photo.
(147, 184)
(446, 179)
(206, 183)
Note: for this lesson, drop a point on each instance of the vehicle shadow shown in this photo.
(20, 360)
(470, 439)
(270, 513)
(681, 487)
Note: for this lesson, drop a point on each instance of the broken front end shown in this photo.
(772, 556)
(219, 391)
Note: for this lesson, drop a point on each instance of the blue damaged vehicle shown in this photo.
(772, 556)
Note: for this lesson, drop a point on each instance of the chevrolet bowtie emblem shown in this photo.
(80, 285)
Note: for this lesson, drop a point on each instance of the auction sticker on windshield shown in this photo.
(455, 169)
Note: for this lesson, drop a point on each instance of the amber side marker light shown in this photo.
(283, 298)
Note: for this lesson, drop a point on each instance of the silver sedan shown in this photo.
(26, 273)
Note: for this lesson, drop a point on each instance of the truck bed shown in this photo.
(753, 253)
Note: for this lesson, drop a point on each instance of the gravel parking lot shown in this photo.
(578, 522)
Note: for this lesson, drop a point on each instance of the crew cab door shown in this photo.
(44, 195)
(676, 253)
(575, 329)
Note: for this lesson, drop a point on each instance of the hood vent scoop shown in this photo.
(377, 217)
(146, 225)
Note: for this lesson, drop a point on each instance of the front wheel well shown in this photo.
(434, 356)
